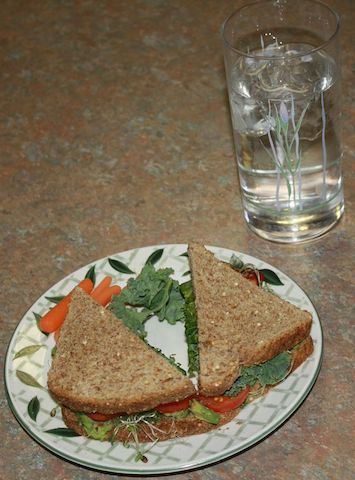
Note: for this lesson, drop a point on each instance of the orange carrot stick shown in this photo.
(105, 297)
(105, 283)
(53, 319)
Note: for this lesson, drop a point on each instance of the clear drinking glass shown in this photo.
(283, 77)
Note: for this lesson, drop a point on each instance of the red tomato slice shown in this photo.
(253, 278)
(224, 404)
(101, 417)
(174, 406)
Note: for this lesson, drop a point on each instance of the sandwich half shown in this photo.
(109, 382)
(240, 325)
(100, 365)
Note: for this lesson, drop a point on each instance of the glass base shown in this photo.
(286, 228)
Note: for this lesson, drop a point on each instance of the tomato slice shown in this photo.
(102, 417)
(220, 404)
(174, 406)
(253, 277)
(224, 404)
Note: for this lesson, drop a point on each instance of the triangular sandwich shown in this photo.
(239, 323)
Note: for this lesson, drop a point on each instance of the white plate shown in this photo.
(256, 420)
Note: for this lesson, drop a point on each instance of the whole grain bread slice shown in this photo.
(102, 366)
(170, 427)
(239, 324)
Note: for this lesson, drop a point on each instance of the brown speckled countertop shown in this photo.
(115, 134)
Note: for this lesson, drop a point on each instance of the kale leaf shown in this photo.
(132, 318)
(152, 292)
(174, 309)
(144, 289)
(268, 373)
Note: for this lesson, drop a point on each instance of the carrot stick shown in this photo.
(105, 297)
(105, 283)
(53, 319)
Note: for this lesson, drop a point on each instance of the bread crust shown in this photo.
(168, 427)
(302, 352)
(130, 405)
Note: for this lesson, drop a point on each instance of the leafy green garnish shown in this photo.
(268, 373)
(132, 318)
(160, 300)
(153, 292)
(191, 329)
(146, 289)
(173, 309)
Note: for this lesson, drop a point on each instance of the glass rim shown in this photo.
(281, 57)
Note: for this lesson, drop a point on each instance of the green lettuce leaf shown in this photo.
(191, 329)
(268, 373)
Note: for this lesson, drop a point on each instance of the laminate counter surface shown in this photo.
(115, 134)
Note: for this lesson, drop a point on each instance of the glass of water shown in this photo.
(283, 77)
